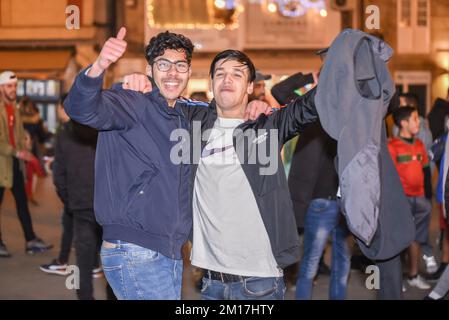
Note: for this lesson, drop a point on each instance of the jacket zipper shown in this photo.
(179, 196)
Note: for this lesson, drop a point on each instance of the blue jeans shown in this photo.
(322, 219)
(251, 288)
(136, 273)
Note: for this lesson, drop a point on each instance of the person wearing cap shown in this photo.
(259, 87)
(12, 154)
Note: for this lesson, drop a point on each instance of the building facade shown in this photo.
(36, 43)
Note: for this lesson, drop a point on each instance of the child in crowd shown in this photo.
(411, 161)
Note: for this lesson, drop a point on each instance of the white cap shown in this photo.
(8, 77)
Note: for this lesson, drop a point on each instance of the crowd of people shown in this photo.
(141, 172)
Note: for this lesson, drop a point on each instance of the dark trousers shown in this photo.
(18, 191)
(87, 244)
(390, 279)
(67, 236)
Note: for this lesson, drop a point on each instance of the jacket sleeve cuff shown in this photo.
(89, 84)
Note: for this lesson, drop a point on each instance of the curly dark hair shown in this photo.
(168, 40)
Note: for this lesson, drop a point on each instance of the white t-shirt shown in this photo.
(228, 232)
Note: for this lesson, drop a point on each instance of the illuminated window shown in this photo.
(413, 26)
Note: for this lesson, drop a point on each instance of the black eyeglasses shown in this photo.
(164, 65)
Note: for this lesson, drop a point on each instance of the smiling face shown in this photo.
(231, 87)
(411, 125)
(171, 83)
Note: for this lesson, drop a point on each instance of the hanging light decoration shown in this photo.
(226, 4)
(221, 14)
(220, 4)
(295, 8)
(272, 7)
(291, 8)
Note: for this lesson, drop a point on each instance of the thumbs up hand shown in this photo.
(113, 49)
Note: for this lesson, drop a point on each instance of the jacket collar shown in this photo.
(214, 114)
(162, 104)
(213, 108)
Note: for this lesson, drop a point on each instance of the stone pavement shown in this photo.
(20, 277)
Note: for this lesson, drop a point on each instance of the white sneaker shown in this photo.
(418, 282)
(431, 264)
(404, 289)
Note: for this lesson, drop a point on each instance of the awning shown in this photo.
(34, 61)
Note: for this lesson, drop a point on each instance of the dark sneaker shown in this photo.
(55, 267)
(37, 246)
(4, 253)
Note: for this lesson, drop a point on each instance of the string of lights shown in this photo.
(292, 8)
(230, 5)
(286, 8)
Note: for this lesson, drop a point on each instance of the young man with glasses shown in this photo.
(141, 197)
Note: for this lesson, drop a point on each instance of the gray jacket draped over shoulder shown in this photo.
(354, 91)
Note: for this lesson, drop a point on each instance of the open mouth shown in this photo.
(171, 84)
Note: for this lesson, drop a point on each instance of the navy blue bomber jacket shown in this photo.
(141, 196)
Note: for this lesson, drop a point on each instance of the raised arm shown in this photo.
(88, 104)
(291, 120)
